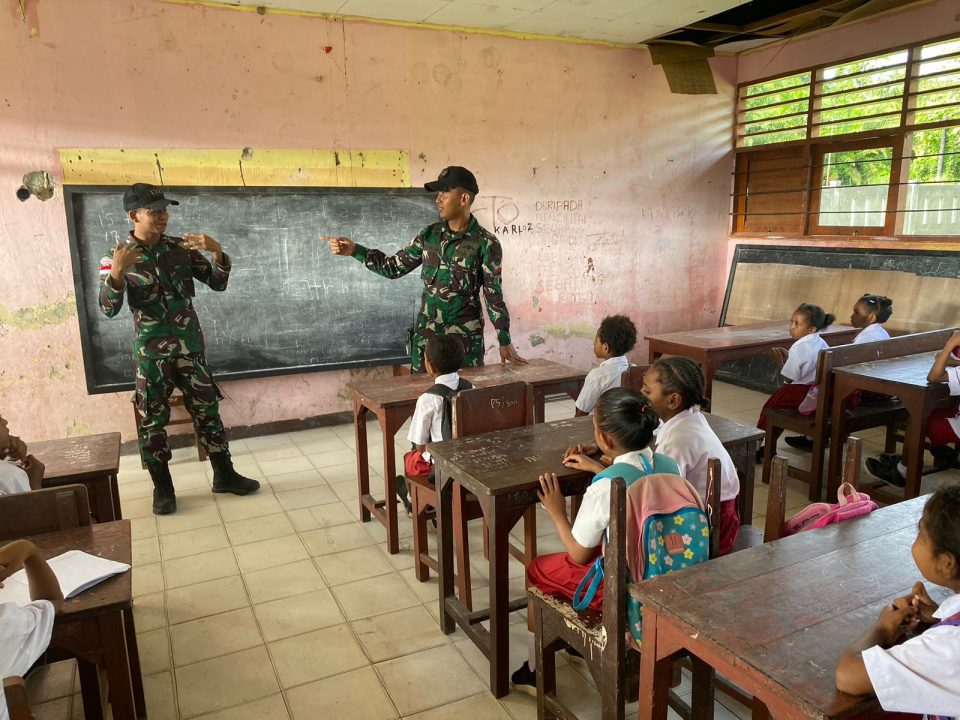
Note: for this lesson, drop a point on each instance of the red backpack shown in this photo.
(851, 504)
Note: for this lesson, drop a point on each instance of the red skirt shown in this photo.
(789, 395)
(558, 573)
(729, 525)
(939, 430)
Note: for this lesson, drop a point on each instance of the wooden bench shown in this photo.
(601, 637)
(867, 415)
(15, 692)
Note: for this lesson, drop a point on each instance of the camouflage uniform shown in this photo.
(168, 343)
(455, 268)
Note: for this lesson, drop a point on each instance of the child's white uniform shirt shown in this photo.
(953, 381)
(13, 478)
(24, 636)
(593, 518)
(801, 365)
(426, 425)
(688, 438)
(603, 377)
(921, 675)
(871, 333)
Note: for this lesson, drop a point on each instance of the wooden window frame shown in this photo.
(816, 147)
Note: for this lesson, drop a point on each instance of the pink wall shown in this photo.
(646, 173)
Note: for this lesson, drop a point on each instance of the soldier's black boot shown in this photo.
(164, 499)
(228, 480)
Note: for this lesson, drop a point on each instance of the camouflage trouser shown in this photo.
(156, 378)
(472, 343)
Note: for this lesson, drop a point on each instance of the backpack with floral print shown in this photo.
(667, 530)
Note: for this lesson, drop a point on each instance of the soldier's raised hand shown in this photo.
(125, 255)
(200, 241)
(340, 245)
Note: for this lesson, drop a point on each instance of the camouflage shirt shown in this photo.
(455, 267)
(159, 289)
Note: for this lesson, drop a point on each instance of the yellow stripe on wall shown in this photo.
(230, 167)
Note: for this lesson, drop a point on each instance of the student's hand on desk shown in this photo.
(34, 469)
(200, 241)
(551, 497)
(508, 354)
(12, 557)
(582, 462)
(921, 601)
(894, 623)
(581, 449)
(340, 245)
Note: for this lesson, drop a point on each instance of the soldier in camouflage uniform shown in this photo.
(459, 259)
(157, 272)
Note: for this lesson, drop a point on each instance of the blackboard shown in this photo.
(760, 373)
(291, 305)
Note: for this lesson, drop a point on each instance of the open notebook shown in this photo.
(75, 570)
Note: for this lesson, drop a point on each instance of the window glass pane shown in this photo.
(842, 128)
(947, 47)
(778, 84)
(933, 190)
(764, 105)
(871, 63)
(854, 187)
(880, 92)
(777, 137)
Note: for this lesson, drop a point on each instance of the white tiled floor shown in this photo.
(283, 605)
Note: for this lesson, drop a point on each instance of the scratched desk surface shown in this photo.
(789, 608)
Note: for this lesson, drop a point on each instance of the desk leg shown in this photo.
(363, 466)
(744, 460)
(708, 371)
(136, 676)
(389, 426)
(499, 652)
(117, 659)
(539, 405)
(90, 690)
(841, 391)
(655, 673)
(444, 485)
(919, 409)
(115, 498)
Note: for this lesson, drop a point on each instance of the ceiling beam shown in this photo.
(773, 20)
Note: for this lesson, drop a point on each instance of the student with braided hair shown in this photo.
(674, 387)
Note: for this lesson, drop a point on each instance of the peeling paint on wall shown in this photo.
(35, 317)
(565, 332)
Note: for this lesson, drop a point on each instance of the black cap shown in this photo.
(143, 195)
(454, 176)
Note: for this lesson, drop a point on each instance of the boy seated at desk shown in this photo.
(921, 675)
(19, 472)
(432, 419)
(25, 631)
(943, 426)
(615, 337)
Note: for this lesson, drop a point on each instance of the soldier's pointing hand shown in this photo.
(340, 245)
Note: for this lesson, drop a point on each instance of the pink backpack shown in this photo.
(851, 504)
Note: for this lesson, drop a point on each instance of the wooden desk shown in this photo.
(393, 400)
(712, 346)
(97, 626)
(92, 460)
(906, 378)
(741, 442)
(501, 468)
(775, 618)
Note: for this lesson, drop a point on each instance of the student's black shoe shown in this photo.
(889, 458)
(525, 680)
(944, 457)
(228, 480)
(759, 455)
(164, 498)
(800, 442)
(401, 485)
(886, 472)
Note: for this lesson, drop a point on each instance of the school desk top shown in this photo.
(93, 460)
(759, 335)
(391, 391)
(775, 618)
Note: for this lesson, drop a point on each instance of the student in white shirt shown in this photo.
(674, 386)
(443, 358)
(921, 675)
(869, 314)
(25, 631)
(19, 471)
(800, 363)
(615, 338)
(943, 425)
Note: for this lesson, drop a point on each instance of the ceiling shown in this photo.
(733, 25)
(617, 21)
